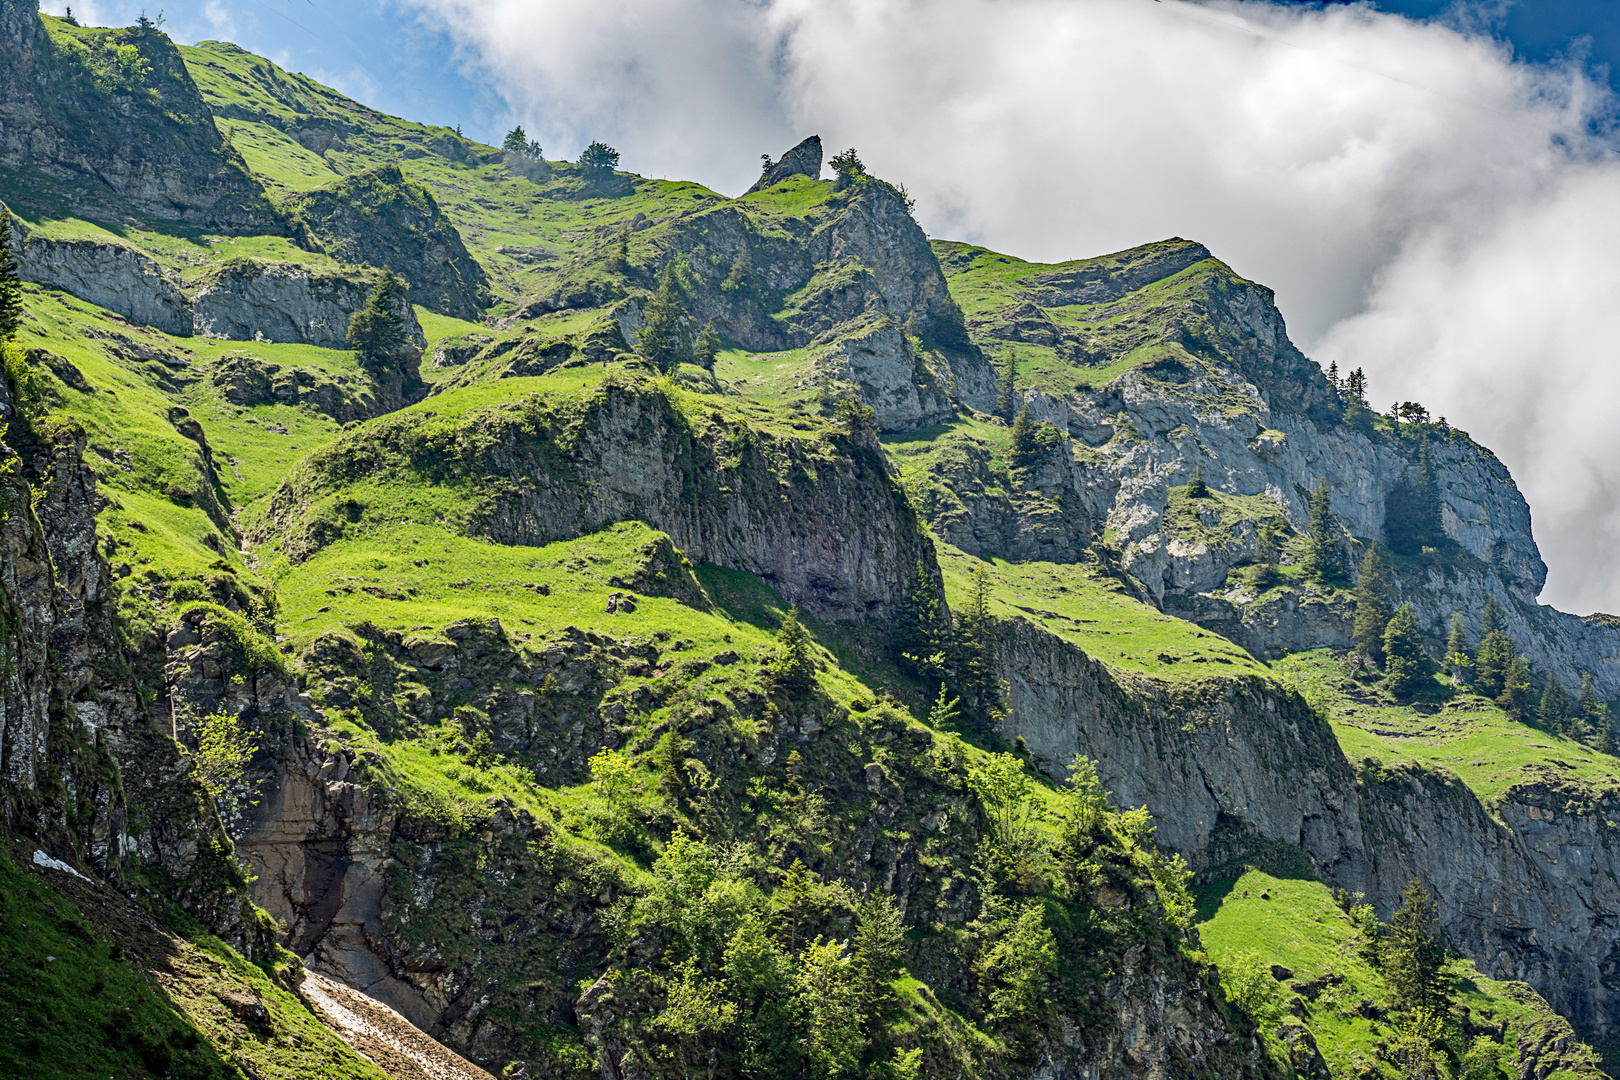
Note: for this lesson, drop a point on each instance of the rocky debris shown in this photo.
(803, 160)
(109, 146)
(381, 219)
(398, 1047)
(878, 363)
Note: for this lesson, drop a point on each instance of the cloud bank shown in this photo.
(1426, 207)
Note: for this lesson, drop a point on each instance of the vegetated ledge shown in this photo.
(528, 461)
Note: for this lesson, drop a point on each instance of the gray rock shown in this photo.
(802, 160)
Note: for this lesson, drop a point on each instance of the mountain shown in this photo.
(954, 674)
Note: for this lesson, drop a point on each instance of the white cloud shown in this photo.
(1425, 207)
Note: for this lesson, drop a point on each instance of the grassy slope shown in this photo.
(1293, 922)
(90, 985)
(1467, 735)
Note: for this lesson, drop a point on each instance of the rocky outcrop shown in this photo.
(1233, 770)
(242, 300)
(802, 160)
(114, 132)
(89, 773)
(381, 219)
(246, 300)
(111, 276)
(854, 262)
(821, 520)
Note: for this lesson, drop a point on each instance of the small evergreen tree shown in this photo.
(1023, 438)
(1322, 536)
(599, 159)
(661, 337)
(1515, 696)
(1196, 488)
(848, 167)
(1407, 666)
(707, 347)
(1458, 660)
(973, 659)
(516, 141)
(1412, 510)
(11, 298)
(377, 330)
(1496, 651)
(1372, 606)
(795, 666)
(1414, 956)
(1553, 712)
(921, 638)
(1587, 704)
(1007, 397)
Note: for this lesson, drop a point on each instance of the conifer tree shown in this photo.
(973, 659)
(795, 666)
(1007, 398)
(1607, 740)
(1414, 956)
(1515, 696)
(1495, 652)
(660, 339)
(1372, 606)
(1553, 712)
(921, 638)
(377, 330)
(1458, 660)
(1023, 438)
(1586, 700)
(1196, 487)
(11, 300)
(516, 141)
(1322, 536)
(1406, 665)
(1412, 510)
(707, 347)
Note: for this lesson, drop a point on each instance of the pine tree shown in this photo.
(1607, 740)
(377, 330)
(516, 141)
(795, 666)
(1023, 438)
(1515, 696)
(1495, 653)
(1196, 488)
(11, 299)
(599, 159)
(973, 659)
(1553, 712)
(707, 347)
(1414, 957)
(1007, 398)
(1406, 665)
(921, 638)
(661, 339)
(1322, 536)
(1372, 606)
(1412, 510)
(1586, 700)
(1458, 660)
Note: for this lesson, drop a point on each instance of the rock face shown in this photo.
(822, 521)
(117, 278)
(802, 160)
(249, 300)
(244, 300)
(381, 219)
(113, 135)
(1227, 767)
(854, 266)
(1235, 400)
(88, 772)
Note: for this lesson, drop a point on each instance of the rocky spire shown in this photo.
(802, 160)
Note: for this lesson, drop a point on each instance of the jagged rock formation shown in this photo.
(803, 160)
(381, 219)
(109, 130)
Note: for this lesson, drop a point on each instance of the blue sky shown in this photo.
(391, 57)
